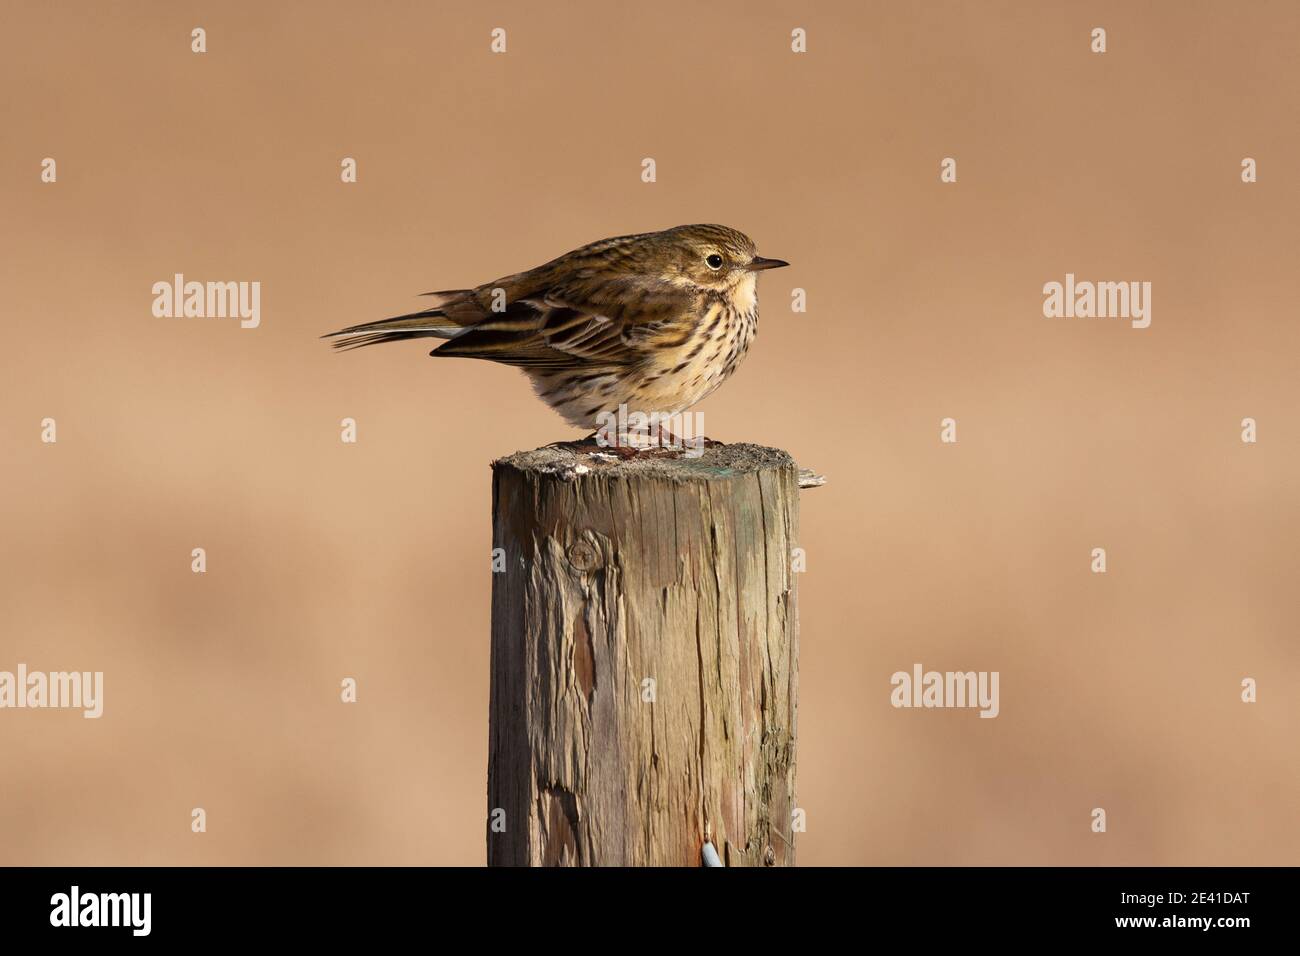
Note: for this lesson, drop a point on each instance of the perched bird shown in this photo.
(654, 322)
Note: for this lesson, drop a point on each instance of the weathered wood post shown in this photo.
(644, 657)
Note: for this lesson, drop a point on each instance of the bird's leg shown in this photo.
(683, 445)
(623, 451)
(666, 440)
(673, 442)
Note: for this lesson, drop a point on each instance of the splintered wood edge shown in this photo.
(572, 460)
(810, 479)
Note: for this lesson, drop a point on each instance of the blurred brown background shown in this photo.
(328, 560)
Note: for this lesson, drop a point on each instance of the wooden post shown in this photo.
(644, 657)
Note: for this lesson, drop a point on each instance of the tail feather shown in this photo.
(435, 323)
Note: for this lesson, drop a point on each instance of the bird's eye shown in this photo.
(714, 261)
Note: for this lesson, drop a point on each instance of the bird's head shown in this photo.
(710, 257)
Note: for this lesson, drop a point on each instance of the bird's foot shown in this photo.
(690, 447)
(659, 443)
(603, 441)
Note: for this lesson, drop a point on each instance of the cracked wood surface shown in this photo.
(644, 657)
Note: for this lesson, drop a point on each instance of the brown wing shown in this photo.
(588, 320)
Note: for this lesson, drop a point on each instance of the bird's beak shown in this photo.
(758, 264)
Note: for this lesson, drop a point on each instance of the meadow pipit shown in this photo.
(653, 322)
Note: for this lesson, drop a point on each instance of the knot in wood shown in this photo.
(583, 556)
